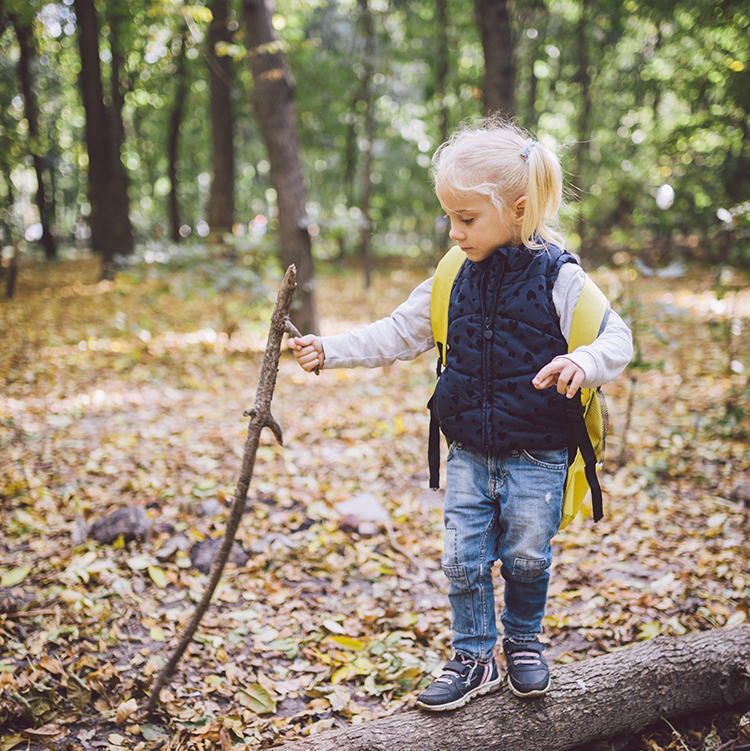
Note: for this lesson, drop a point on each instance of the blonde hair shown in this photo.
(497, 159)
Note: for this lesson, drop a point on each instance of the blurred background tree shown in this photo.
(126, 122)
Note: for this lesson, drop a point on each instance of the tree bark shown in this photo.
(274, 105)
(221, 199)
(493, 19)
(584, 127)
(25, 46)
(618, 693)
(442, 67)
(368, 32)
(111, 231)
(173, 137)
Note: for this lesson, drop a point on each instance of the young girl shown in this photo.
(509, 317)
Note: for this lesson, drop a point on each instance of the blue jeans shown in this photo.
(505, 507)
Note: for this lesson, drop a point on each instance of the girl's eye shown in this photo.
(467, 221)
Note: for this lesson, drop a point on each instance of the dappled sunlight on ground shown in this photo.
(327, 622)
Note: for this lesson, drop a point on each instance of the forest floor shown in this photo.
(125, 394)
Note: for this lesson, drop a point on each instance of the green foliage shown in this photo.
(237, 276)
(668, 89)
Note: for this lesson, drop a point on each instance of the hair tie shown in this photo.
(526, 149)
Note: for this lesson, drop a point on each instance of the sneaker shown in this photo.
(528, 674)
(462, 679)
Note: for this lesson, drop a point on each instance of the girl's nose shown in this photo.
(456, 231)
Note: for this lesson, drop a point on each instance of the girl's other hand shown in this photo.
(565, 373)
(308, 351)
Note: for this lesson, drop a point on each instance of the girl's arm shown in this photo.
(403, 335)
(610, 353)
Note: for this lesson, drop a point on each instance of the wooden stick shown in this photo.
(261, 418)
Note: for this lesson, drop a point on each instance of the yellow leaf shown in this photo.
(16, 576)
(158, 576)
(9, 741)
(257, 699)
(650, 630)
(348, 643)
(363, 666)
(157, 634)
(341, 674)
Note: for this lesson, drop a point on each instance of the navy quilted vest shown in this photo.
(502, 329)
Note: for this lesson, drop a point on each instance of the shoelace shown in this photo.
(526, 658)
(446, 675)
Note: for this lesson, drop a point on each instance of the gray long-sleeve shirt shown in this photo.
(407, 333)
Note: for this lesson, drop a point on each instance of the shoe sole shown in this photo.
(528, 694)
(485, 688)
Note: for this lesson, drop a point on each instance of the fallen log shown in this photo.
(616, 694)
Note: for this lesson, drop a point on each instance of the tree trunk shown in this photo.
(616, 694)
(274, 105)
(221, 200)
(111, 232)
(442, 67)
(173, 137)
(584, 135)
(25, 44)
(499, 59)
(365, 16)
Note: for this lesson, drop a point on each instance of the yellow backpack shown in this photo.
(587, 418)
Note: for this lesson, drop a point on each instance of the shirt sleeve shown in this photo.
(403, 335)
(609, 354)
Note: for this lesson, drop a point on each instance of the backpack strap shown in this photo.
(590, 315)
(579, 440)
(442, 285)
(589, 320)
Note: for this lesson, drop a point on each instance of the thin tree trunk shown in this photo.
(493, 19)
(274, 105)
(614, 695)
(25, 46)
(365, 15)
(173, 137)
(119, 179)
(442, 67)
(10, 283)
(584, 134)
(221, 199)
(111, 231)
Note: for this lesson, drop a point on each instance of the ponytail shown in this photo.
(543, 198)
(497, 159)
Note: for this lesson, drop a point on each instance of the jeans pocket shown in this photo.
(555, 459)
(455, 446)
(462, 601)
(528, 568)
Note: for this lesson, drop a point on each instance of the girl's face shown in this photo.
(477, 225)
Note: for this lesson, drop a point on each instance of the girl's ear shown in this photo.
(519, 210)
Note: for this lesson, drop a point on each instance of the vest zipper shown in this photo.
(486, 298)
